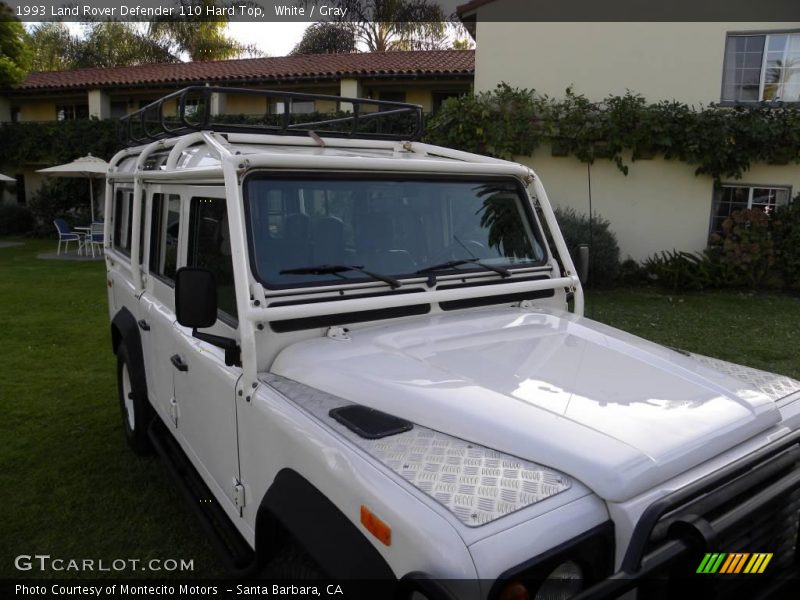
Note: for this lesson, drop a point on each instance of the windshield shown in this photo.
(300, 228)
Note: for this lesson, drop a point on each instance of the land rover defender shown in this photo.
(364, 356)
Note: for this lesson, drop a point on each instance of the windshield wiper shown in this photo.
(464, 261)
(337, 269)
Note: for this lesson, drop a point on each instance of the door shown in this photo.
(205, 388)
(158, 301)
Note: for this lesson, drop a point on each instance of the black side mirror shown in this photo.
(195, 297)
(196, 306)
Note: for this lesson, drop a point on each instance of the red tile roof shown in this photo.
(435, 62)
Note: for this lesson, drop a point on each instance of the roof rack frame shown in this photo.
(129, 136)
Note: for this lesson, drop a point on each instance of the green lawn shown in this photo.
(69, 486)
(759, 330)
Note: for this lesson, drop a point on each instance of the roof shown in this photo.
(468, 7)
(370, 64)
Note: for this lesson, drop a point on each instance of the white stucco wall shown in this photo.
(659, 205)
(662, 61)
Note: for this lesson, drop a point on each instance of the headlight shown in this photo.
(565, 581)
(563, 572)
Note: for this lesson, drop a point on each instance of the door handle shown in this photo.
(178, 363)
(143, 325)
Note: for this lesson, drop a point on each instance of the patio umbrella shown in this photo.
(86, 166)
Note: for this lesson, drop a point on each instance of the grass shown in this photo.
(758, 330)
(70, 487)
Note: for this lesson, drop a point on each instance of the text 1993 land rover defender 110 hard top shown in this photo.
(359, 347)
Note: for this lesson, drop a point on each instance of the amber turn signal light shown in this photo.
(514, 590)
(375, 526)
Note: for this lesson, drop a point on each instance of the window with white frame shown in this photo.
(762, 67)
(296, 107)
(71, 112)
(730, 198)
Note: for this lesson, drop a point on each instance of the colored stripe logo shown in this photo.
(734, 563)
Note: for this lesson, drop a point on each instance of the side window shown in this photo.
(143, 224)
(210, 248)
(164, 228)
(123, 202)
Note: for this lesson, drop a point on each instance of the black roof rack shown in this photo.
(367, 118)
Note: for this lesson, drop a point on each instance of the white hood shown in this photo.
(612, 410)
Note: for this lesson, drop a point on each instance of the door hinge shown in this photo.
(341, 334)
(238, 493)
(173, 410)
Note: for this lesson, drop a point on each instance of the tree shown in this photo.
(14, 54)
(384, 25)
(202, 38)
(117, 44)
(327, 38)
(121, 44)
(463, 43)
(102, 44)
(52, 47)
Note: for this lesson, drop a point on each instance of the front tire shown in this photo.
(136, 410)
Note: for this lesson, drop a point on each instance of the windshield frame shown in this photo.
(456, 272)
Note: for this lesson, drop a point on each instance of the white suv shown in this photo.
(364, 356)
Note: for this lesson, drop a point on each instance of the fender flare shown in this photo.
(319, 527)
(125, 330)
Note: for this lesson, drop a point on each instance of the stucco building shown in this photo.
(424, 78)
(660, 204)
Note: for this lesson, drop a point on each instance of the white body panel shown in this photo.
(534, 384)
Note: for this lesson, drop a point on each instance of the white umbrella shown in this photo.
(6, 178)
(86, 166)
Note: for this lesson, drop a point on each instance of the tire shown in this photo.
(292, 563)
(136, 410)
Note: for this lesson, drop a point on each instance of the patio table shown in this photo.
(85, 231)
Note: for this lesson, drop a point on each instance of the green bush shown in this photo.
(64, 198)
(745, 249)
(719, 141)
(56, 142)
(631, 272)
(786, 236)
(679, 271)
(15, 219)
(504, 122)
(603, 247)
(755, 249)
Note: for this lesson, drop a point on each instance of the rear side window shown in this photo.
(123, 202)
(123, 224)
(210, 248)
(164, 229)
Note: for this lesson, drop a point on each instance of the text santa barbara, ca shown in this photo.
(244, 11)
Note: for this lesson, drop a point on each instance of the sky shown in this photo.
(275, 39)
(272, 38)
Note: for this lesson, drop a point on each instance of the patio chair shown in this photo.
(66, 235)
(95, 237)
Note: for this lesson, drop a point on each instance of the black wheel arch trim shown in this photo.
(124, 329)
(319, 527)
(431, 588)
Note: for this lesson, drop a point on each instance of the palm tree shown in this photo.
(385, 25)
(201, 38)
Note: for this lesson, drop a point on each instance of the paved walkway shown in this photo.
(10, 244)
